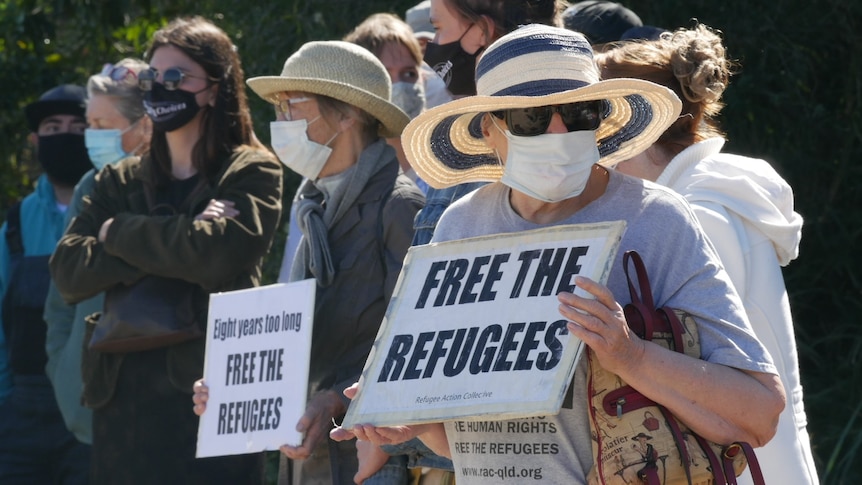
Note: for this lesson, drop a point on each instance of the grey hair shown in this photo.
(129, 99)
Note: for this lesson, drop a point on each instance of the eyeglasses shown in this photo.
(171, 79)
(584, 115)
(117, 73)
(283, 106)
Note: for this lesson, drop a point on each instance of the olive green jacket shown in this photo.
(217, 255)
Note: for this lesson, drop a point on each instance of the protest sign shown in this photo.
(257, 354)
(473, 328)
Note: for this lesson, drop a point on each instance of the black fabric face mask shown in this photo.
(170, 110)
(454, 65)
(64, 158)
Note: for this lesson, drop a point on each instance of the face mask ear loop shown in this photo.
(134, 150)
(131, 125)
(503, 132)
(500, 129)
(465, 33)
(331, 138)
(308, 123)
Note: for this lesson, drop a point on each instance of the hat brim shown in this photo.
(446, 147)
(392, 119)
(39, 110)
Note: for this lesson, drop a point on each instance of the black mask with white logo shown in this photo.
(170, 110)
(64, 158)
(454, 65)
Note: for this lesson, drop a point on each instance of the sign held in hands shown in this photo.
(257, 358)
(473, 328)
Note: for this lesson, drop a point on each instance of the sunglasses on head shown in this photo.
(117, 73)
(583, 115)
(171, 79)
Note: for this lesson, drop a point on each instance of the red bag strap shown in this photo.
(641, 314)
(675, 327)
(679, 440)
(730, 452)
(643, 279)
(714, 462)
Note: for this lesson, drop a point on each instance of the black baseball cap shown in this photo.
(65, 99)
(600, 21)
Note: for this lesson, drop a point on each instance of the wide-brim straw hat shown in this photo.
(535, 65)
(340, 70)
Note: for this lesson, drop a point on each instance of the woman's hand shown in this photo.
(388, 435)
(432, 434)
(200, 397)
(371, 460)
(315, 423)
(601, 324)
(216, 209)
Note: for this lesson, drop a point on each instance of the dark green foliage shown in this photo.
(795, 102)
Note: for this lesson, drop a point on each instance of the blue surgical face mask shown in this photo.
(105, 146)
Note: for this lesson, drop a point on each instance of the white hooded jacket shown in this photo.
(746, 209)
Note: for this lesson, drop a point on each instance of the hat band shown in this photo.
(541, 87)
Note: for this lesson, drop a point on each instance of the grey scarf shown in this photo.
(316, 214)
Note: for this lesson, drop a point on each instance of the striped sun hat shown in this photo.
(535, 65)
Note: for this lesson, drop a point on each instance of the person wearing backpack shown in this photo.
(35, 446)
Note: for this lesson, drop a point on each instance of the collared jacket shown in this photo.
(222, 254)
(368, 245)
(746, 209)
(437, 200)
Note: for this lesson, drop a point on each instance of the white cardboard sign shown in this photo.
(473, 328)
(257, 358)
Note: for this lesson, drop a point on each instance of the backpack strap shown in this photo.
(13, 230)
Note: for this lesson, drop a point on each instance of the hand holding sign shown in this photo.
(600, 323)
(200, 396)
(432, 434)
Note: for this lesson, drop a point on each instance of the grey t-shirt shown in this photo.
(684, 272)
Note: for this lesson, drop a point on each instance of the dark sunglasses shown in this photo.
(171, 79)
(584, 115)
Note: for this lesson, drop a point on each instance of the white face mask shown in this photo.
(550, 167)
(410, 97)
(290, 142)
(105, 146)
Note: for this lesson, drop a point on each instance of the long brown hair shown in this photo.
(226, 125)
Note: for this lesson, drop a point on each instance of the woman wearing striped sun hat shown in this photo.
(542, 129)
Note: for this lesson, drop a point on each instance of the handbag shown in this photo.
(153, 312)
(636, 440)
